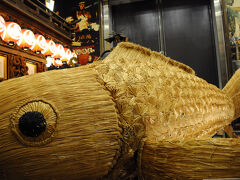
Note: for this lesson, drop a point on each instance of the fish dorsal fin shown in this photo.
(132, 50)
(172, 62)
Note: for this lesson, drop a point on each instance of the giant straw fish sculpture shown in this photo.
(103, 121)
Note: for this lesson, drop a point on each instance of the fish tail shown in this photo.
(232, 89)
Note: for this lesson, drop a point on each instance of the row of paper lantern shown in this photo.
(12, 33)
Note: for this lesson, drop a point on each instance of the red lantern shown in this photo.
(74, 55)
(27, 40)
(58, 63)
(50, 61)
(50, 49)
(59, 53)
(83, 56)
(2, 25)
(12, 33)
(40, 45)
(67, 55)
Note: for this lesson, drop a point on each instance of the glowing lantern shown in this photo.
(59, 53)
(74, 54)
(40, 44)
(58, 63)
(12, 33)
(64, 59)
(67, 55)
(2, 25)
(50, 61)
(50, 49)
(27, 40)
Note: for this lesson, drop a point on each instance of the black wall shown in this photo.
(65, 8)
(138, 21)
(189, 36)
(187, 26)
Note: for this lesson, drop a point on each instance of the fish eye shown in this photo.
(34, 123)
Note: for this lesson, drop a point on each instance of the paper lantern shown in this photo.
(58, 63)
(50, 61)
(2, 25)
(67, 55)
(50, 49)
(64, 59)
(40, 45)
(59, 53)
(12, 33)
(83, 56)
(27, 40)
(74, 54)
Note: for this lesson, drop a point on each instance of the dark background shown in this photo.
(187, 26)
(65, 7)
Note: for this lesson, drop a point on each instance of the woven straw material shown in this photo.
(191, 159)
(83, 134)
(162, 94)
(232, 89)
(98, 115)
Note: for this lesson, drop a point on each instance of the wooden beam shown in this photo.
(23, 54)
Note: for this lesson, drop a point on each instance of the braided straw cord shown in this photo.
(87, 135)
(191, 159)
(232, 89)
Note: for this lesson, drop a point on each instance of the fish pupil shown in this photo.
(32, 124)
